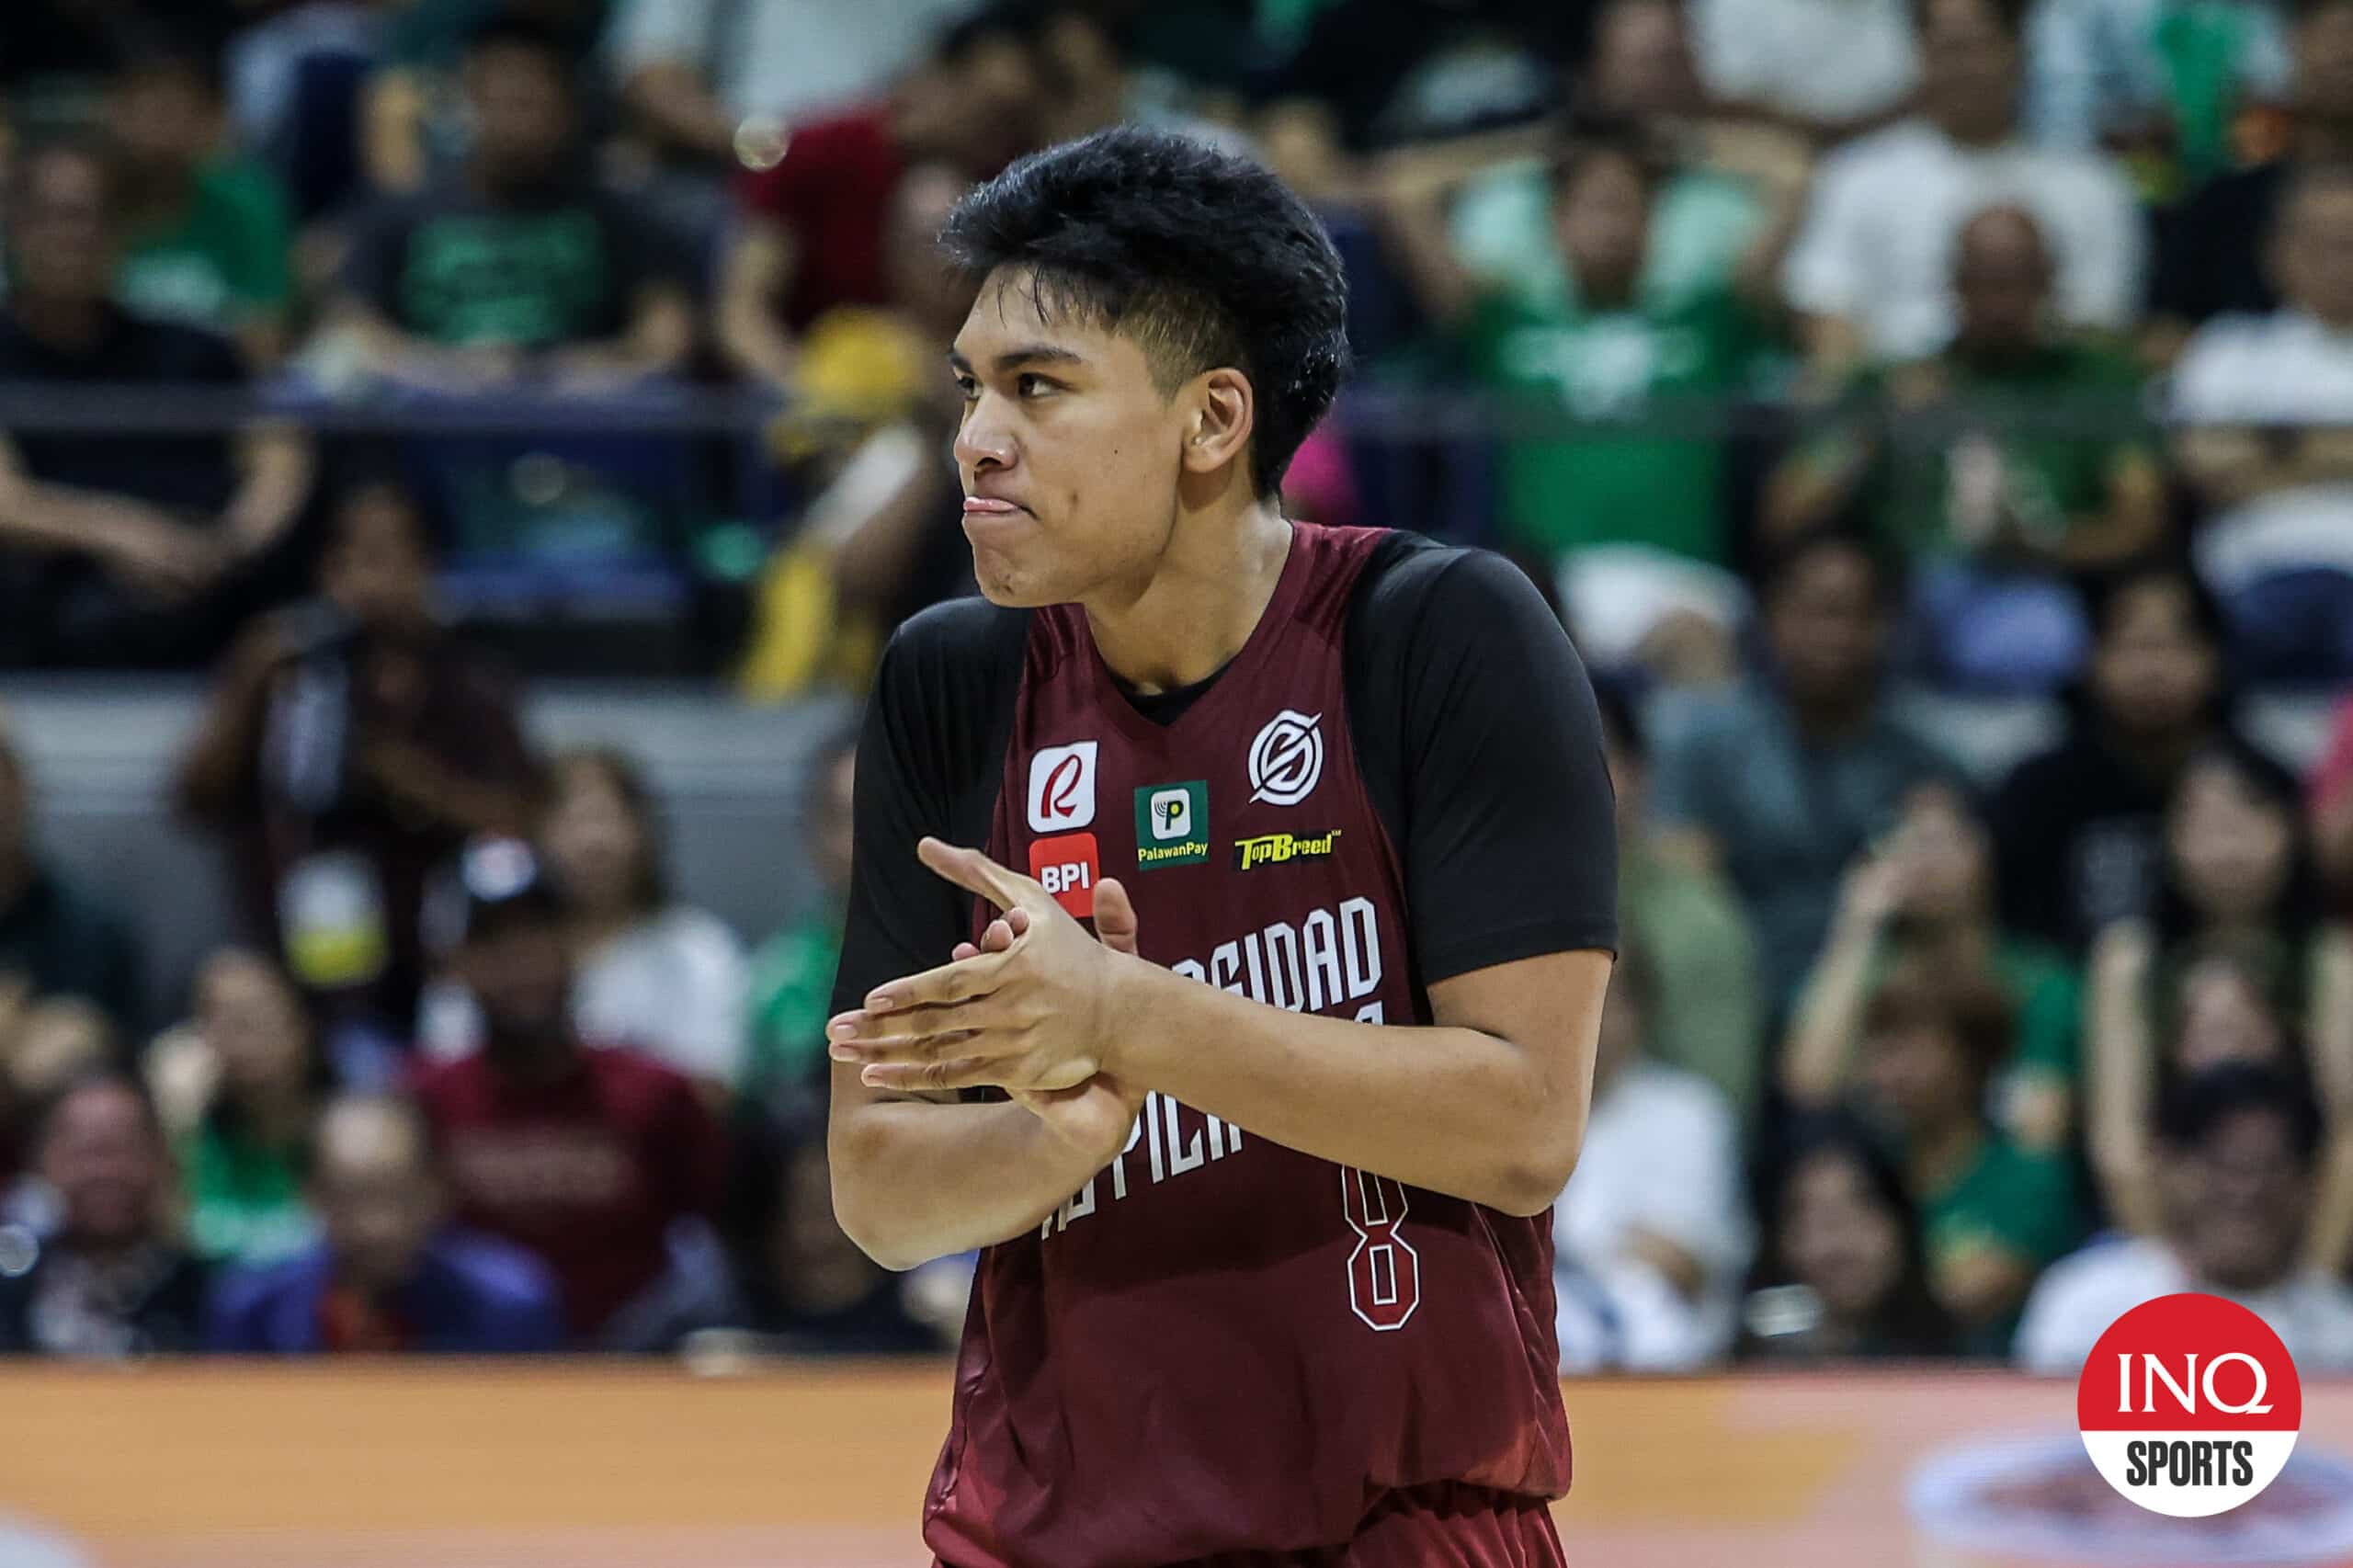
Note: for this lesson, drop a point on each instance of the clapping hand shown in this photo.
(1032, 1008)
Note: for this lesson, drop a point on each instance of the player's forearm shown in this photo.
(1452, 1110)
(917, 1179)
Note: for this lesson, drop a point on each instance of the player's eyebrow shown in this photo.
(1021, 355)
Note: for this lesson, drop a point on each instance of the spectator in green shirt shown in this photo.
(238, 1087)
(1927, 892)
(793, 973)
(1996, 1213)
(1604, 350)
(207, 239)
(2022, 466)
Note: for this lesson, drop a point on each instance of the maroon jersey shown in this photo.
(1220, 1344)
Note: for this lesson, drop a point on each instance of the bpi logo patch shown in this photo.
(1061, 788)
(1286, 758)
(2189, 1405)
(1068, 867)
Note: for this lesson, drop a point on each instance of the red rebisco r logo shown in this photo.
(1061, 788)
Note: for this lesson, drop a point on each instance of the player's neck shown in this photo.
(1205, 596)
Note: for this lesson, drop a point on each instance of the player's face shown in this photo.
(1069, 453)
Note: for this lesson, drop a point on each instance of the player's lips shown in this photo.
(990, 521)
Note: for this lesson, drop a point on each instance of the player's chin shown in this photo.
(1008, 581)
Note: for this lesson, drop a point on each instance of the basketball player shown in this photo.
(1262, 1175)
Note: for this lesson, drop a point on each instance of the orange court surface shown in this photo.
(617, 1466)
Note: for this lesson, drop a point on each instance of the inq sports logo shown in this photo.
(2189, 1405)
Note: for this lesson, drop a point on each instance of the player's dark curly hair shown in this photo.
(1201, 257)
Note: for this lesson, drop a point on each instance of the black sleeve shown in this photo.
(930, 759)
(1482, 745)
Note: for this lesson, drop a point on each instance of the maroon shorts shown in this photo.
(1430, 1527)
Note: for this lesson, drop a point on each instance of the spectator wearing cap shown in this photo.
(1872, 269)
(602, 1162)
(110, 1281)
(1781, 784)
(518, 266)
(118, 548)
(650, 971)
(390, 1275)
(351, 746)
(2236, 1177)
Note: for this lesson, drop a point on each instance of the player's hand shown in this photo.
(1034, 1017)
(1099, 1114)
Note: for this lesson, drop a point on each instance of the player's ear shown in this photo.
(1223, 411)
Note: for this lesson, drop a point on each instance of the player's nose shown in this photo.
(984, 439)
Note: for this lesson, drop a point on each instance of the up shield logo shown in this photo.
(2189, 1405)
(1286, 758)
(1172, 824)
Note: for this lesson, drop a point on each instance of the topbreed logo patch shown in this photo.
(2189, 1405)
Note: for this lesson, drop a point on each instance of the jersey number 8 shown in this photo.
(1384, 1272)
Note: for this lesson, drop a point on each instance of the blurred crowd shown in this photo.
(1812, 355)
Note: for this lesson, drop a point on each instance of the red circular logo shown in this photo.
(2189, 1405)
